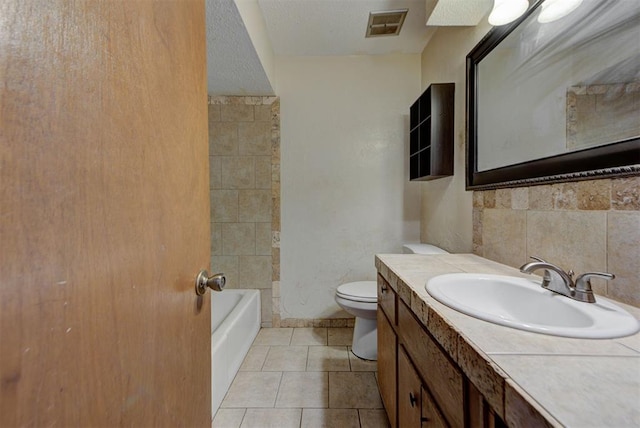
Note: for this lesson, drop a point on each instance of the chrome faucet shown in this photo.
(561, 282)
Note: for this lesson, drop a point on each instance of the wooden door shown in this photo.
(104, 213)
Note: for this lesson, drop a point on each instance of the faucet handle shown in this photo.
(583, 282)
(583, 285)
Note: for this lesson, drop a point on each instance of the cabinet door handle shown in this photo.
(383, 288)
(412, 399)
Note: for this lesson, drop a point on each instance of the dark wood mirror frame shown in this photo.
(616, 159)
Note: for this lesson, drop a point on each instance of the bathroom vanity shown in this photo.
(438, 367)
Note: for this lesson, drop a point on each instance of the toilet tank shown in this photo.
(422, 249)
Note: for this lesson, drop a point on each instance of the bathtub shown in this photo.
(235, 322)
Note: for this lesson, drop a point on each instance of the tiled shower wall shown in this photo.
(244, 158)
(585, 226)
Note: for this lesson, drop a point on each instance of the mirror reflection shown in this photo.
(558, 84)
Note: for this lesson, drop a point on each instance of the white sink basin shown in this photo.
(523, 304)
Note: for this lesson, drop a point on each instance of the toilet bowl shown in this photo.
(360, 299)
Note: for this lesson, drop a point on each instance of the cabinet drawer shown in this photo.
(443, 380)
(387, 299)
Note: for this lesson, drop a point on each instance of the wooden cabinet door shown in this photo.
(431, 416)
(387, 346)
(104, 214)
(409, 392)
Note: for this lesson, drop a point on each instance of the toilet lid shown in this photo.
(361, 291)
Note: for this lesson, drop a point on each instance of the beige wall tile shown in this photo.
(214, 113)
(489, 199)
(216, 239)
(503, 236)
(520, 198)
(238, 172)
(262, 113)
(223, 139)
(239, 239)
(594, 195)
(255, 272)
(254, 205)
(477, 226)
(236, 113)
(623, 255)
(540, 198)
(227, 265)
(254, 138)
(224, 206)
(263, 239)
(625, 193)
(503, 198)
(478, 199)
(571, 239)
(565, 196)
(263, 172)
(215, 172)
(266, 306)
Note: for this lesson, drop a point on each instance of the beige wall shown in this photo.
(584, 226)
(345, 189)
(244, 157)
(445, 205)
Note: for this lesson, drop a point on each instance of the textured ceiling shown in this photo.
(337, 27)
(316, 28)
(233, 66)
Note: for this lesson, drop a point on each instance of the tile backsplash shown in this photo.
(244, 159)
(585, 226)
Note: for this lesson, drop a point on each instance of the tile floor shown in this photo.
(303, 377)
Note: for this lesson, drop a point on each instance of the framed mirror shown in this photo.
(556, 100)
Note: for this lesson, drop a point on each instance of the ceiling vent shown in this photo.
(386, 23)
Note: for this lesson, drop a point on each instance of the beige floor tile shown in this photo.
(272, 418)
(255, 358)
(353, 390)
(309, 336)
(339, 336)
(373, 418)
(304, 389)
(273, 336)
(360, 365)
(228, 418)
(328, 359)
(286, 359)
(330, 418)
(253, 389)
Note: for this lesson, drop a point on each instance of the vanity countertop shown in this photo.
(528, 378)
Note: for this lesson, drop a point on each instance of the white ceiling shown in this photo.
(317, 28)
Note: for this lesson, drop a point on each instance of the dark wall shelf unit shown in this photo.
(431, 133)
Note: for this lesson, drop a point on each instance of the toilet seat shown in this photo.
(359, 291)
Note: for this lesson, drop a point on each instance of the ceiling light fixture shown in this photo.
(386, 23)
(552, 10)
(506, 11)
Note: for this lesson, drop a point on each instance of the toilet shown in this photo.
(360, 299)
